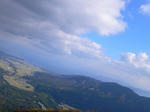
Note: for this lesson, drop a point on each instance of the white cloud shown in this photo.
(71, 16)
(59, 43)
(80, 16)
(145, 8)
(53, 28)
(140, 60)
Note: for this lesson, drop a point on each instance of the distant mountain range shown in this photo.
(25, 86)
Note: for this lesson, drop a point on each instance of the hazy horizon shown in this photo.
(108, 40)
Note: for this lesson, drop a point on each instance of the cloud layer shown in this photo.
(53, 28)
(80, 16)
(145, 8)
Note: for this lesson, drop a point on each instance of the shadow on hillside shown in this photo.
(53, 110)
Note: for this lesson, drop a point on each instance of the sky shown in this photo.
(105, 39)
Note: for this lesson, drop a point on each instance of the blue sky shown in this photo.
(107, 40)
(135, 38)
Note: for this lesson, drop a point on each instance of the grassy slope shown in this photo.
(15, 92)
(14, 98)
(89, 94)
(23, 86)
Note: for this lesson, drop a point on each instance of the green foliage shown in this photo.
(88, 94)
(49, 110)
(14, 89)
(18, 82)
(62, 92)
(16, 70)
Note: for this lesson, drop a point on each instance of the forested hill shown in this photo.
(24, 86)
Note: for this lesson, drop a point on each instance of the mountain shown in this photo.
(25, 86)
(15, 92)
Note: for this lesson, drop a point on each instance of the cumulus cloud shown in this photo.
(145, 8)
(80, 16)
(53, 27)
(71, 16)
(140, 60)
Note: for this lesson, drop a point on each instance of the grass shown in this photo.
(18, 82)
(17, 70)
(23, 68)
(5, 66)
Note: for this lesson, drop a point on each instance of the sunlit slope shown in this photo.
(24, 86)
(15, 91)
(16, 70)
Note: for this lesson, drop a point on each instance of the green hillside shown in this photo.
(24, 86)
(15, 92)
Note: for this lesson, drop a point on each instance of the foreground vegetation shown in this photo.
(52, 110)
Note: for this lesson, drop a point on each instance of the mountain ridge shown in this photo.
(24, 86)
